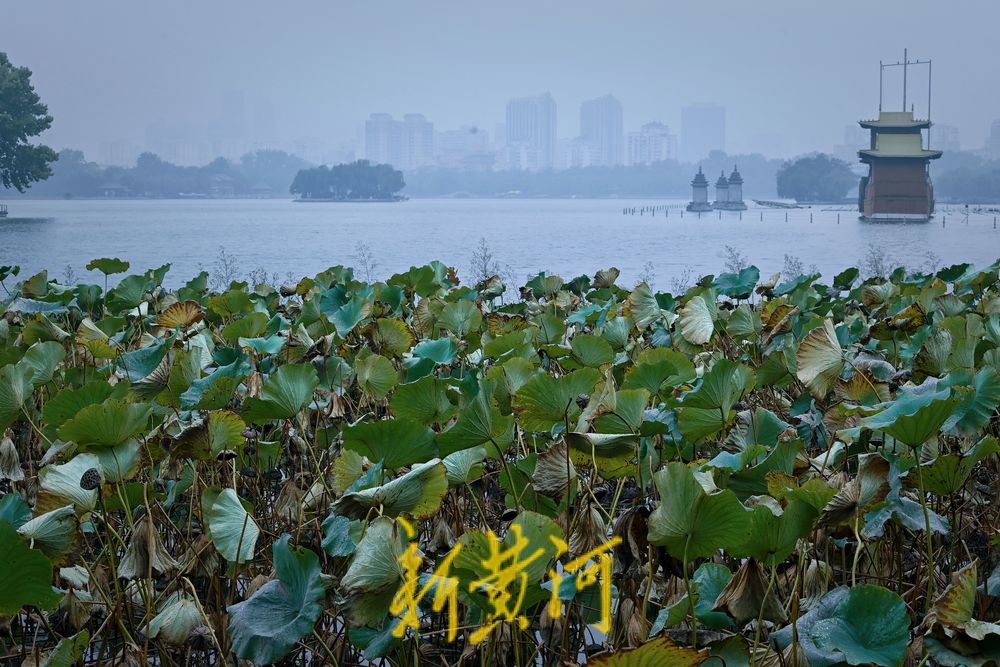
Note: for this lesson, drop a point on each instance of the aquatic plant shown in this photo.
(337, 471)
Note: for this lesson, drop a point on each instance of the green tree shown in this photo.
(816, 178)
(22, 116)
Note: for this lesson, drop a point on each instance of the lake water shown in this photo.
(563, 236)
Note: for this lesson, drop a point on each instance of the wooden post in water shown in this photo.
(810, 218)
(786, 216)
(762, 216)
(838, 218)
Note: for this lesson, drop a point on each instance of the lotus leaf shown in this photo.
(266, 626)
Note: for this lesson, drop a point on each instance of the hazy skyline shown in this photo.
(791, 76)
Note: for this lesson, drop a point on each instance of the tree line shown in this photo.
(360, 180)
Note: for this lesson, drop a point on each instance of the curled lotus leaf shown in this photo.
(418, 492)
(820, 359)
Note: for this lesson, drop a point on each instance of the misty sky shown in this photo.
(791, 73)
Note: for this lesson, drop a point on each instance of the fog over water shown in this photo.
(567, 237)
(791, 74)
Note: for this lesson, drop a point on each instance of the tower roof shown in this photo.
(699, 180)
(735, 178)
(722, 182)
(899, 121)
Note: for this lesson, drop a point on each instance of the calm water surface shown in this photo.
(567, 237)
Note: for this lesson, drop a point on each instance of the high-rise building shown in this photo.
(945, 137)
(405, 144)
(531, 132)
(383, 139)
(467, 147)
(703, 130)
(993, 147)
(601, 126)
(652, 143)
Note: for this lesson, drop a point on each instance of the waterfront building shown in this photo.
(601, 127)
(898, 186)
(703, 130)
(721, 192)
(531, 133)
(734, 195)
(652, 143)
(699, 193)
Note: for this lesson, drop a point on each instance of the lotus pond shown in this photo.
(758, 471)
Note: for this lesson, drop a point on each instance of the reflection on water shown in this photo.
(567, 237)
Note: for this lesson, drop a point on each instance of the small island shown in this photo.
(359, 181)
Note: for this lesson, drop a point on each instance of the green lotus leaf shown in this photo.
(68, 402)
(26, 575)
(697, 319)
(231, 528)
(774, 531)
(692, 523)
(15, 389)
(738, 285)
(376, 376)
(220, 431)
(177, 619)
(916, 428)
(351, 314)
(120, 462)
(338, 538)
(230, 303)
(464, 466)
(706, 409)
(250, 325)
(267, 625)
(591, 350)
(614, 454)
(439, 350)
(977, 407)
(33, 307)
(820, 359)
(707, 583)
(394, 442)
(418, 492)
(68, 651)
(461, 317)
(107, 424)
(868, 626)
(375, 572)
(479, 423)
(948, 473)
(544, 401)
(14, 510)
(425, 401)
(659, 370)
(43, 358)
(285, 393)
(108, 265)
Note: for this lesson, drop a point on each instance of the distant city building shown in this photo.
(729, 192)
(578, 152)
(945, 138)
(993, 146)
(406, 144)
(703, 130)
(383, 139)
(601, 126)
(531, 133)
(854, 136)
(466, 148)
(652, 143)
(699, 193)
(119, 153)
